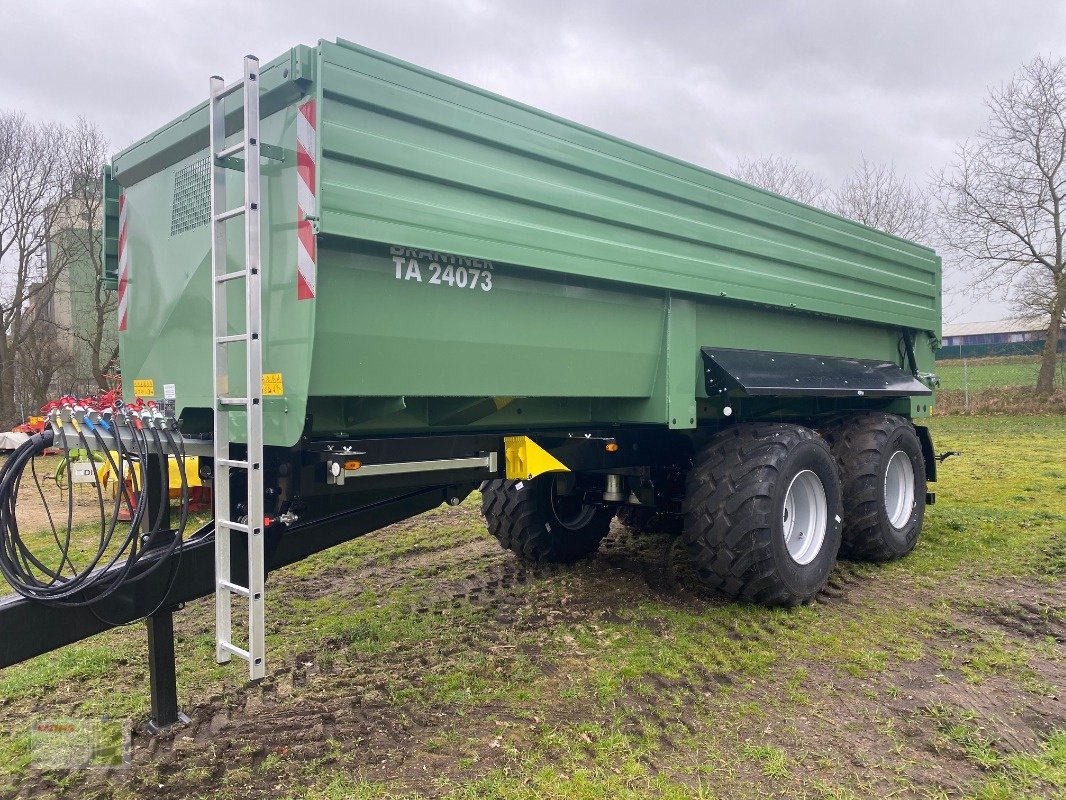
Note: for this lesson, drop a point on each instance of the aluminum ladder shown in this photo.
(251, 404)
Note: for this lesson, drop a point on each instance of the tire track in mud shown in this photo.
(846, 575)
(1029, 619)
(928, 699)
(648, 567)
(494, 581)
(1019, 721)
(411, 568)
(897, 722)
(362, 687)
(636, 567)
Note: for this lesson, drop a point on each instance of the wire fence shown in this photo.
(996, 382)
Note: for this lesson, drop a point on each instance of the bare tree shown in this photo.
(55, 314)
(78, 242)
(40, 360)
(782, 176)
(33, 185)
(876, 195)
(1002, 201)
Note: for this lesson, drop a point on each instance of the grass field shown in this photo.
(423, 661)
(993, 372)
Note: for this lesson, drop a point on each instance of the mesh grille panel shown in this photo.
(192, 198)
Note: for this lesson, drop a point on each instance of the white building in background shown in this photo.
(1000, 338)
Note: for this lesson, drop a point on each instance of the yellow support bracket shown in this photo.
(526, 459)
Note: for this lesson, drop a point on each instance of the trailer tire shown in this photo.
(743, 484)
(644, 519)
(882, 476)
(526, 518)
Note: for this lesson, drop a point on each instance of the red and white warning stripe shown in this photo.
(306, 126)
(123, 265)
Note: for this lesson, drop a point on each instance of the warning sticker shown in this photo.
(170, 397)
(144, 387)
(273, 384)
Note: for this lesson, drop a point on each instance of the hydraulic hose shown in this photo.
(117, 555)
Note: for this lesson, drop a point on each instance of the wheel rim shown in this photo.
(899, 489)
(569, 509)
(804, 517)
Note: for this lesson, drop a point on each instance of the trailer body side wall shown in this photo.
(481, 264)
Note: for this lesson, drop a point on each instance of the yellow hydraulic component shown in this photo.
(192, 474)
(526, 459)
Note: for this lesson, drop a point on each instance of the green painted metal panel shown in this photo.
(168, 340)
(483, 265)
(109, 228)
(396, 352)
(412, 157)
(386, 336)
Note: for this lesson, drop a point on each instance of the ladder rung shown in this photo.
(230, 214)
(237, 337)
(226, 91)
(240, 527)
(229, 586)
(232, 648)
(233, 401)
(229, 151)
(231, 276)
(231, 462)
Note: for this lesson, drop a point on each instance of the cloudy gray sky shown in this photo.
(819, 81)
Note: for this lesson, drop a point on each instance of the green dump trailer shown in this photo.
(460, 291)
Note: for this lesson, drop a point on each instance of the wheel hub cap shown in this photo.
(899, 489)
(804, 517)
